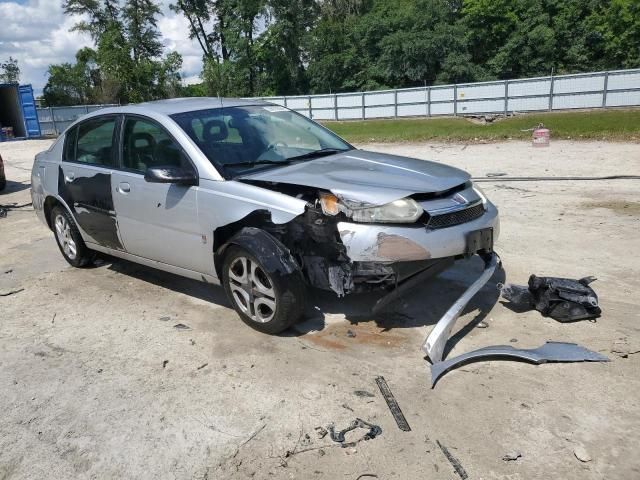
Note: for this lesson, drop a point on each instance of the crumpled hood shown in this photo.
(367, 177)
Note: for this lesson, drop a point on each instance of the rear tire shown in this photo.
(267, 302)
(69, 240)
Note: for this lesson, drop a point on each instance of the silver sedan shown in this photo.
(257, 198)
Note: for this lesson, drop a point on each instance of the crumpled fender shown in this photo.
(273, 255)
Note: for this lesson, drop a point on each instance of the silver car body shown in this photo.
(173, 227)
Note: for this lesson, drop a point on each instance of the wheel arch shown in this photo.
(272, 254)
(49, 204)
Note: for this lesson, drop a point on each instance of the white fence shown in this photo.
(620, 88)
(54, 120)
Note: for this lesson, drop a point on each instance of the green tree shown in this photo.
(9, 71)
(79, 83)
(128, 61)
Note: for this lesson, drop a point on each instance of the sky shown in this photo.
(37, 33)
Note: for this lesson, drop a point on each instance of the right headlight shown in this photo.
(405, 210)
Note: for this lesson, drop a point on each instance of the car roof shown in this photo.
(180, 105)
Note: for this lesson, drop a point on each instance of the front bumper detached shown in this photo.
(434, 344)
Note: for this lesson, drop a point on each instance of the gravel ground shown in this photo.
(96, 381)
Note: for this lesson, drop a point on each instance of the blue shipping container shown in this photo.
(18, 115)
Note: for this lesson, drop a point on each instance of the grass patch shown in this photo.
(619, 125)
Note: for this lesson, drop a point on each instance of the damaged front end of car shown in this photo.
(346, 245)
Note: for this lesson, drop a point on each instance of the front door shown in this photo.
(157, 221)
(84, 179)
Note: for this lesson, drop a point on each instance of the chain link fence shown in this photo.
(619, 88)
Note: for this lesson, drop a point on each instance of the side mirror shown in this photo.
(169, 174)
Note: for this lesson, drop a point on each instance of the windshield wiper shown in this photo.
(258, 162)
(323, 152)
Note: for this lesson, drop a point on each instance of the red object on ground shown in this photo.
(541, 137)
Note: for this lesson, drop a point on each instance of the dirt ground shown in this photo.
(96, 381)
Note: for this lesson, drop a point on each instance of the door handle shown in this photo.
(70, 177)
(124, 187)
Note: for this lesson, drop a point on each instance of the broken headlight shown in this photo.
(405, 210)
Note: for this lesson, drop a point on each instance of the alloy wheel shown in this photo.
(63, 233)
(252, 289)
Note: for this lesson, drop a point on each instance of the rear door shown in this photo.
(157, 221)
(84, 178)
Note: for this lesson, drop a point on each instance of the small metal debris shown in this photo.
(164, 363)
(622, 348)
(202, 366)
(347, 407)
(511, 456)
(514, 340)
(321, 432)
(351, 334)
(12, 292)
(393, 405)
(181, 326)
(482, 324)
(581, 454)
(363, 393)
(338, 437)
(8, 271)
(3, 213)
(457, 466)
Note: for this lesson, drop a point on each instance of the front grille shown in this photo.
(456, 218)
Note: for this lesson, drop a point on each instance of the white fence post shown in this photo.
(506, 97)
(455, 100)
(53, 120)
(604, 90)
(395, 103)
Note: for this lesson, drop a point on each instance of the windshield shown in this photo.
(242, 139)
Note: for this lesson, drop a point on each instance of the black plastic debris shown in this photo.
(363, 394)
(372, 432)
(455, 463)
(563, 299)
(181, 326)
(401, 421)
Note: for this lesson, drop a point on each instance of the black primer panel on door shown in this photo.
(91, 202)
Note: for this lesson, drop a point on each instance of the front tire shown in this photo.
(69, 240)
(267, 302)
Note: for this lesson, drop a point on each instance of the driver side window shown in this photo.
(146, 145)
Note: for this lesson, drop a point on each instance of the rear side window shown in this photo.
(92, 143)
(70, 145)
(146, 145)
